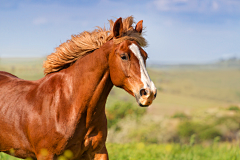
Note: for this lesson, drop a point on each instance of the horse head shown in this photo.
(127, 65)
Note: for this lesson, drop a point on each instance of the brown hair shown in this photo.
(86, 42)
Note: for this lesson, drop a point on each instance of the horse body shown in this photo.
(66, 109)
(53, 110)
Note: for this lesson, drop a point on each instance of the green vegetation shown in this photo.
(120, 111)
(205, 126)
(233, 108)
(170, 151)
(180, 115)
(202, 131)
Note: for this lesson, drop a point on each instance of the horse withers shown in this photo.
(65, 110)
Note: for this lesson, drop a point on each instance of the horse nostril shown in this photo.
(143, 92)
(155, 95)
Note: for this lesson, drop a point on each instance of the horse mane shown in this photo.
(86, 42)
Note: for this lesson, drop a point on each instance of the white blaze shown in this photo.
(144, 75)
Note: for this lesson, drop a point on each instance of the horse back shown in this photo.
(6, 75)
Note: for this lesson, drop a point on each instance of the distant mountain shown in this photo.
(232, 62)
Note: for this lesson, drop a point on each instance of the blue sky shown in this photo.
(178, 31)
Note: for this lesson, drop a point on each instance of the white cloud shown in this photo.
(201, 6)
(40, 21)
(174, 5)
(215, 5)
(162, 5)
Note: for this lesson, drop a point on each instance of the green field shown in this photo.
(25, 68)
(141, 151)
(196, 114)
(189, 90)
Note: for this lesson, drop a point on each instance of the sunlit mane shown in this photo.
(86, 42)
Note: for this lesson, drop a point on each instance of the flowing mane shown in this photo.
(86, 42)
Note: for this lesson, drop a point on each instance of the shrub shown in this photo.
(180, 115)
(145, 134)
(129, 123)
(119, 111)
(187, 128)
(233, 108)
(209, 133)
(202, 131)
(146, 129)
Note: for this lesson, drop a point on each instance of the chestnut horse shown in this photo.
(65, 110)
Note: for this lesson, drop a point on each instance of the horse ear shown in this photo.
(139, 27)
(117, 28)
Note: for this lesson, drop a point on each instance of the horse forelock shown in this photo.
(86, 42)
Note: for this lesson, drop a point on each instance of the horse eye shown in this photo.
(124, 57)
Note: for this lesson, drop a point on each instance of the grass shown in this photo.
(4, 156)
(141, 151)
(170, 151)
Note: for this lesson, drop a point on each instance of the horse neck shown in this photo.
(91, 82)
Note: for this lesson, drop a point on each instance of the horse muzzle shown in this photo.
(145, 96)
